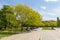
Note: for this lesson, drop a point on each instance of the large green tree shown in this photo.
(7, 15)
(3, 12)
(27, 15)
(19, 15)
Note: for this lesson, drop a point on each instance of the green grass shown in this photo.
(5, 34)
(46, 28)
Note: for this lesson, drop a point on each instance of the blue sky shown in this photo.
(49, 9)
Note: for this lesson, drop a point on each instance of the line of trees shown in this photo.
(50, 23)
(21, 17)
(18, 17)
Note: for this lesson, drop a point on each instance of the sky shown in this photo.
(49, 9)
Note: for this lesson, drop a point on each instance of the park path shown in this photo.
(33, 35)
(51, 34)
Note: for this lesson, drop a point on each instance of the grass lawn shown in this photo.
(5, 34)
(46, 28)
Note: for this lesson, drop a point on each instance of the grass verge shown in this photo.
(5, 34)
(46, 28)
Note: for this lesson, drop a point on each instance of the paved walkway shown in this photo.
(34, 35)
(51, 34)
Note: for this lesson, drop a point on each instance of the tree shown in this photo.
(58, 22)
(20, 15)
(12, 22)
(50, 23)
(6, 10)
(28, 16)
(53, 23)
(7, 15)
(1, 20)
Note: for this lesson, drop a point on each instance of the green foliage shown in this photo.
(27, 15)
(8, 20)
(50, 23)
(58, 22)
(46, 28)
(20, 18)
(5, 34)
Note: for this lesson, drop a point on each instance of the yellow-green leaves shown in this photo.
(28, 15)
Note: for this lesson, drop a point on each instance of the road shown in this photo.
(33, 35)
(37, 34)
(51, 34)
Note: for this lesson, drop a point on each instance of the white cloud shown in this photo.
(0, 6)
(56, 11)
(52, 14)
(43, 7)
(51, 0)
(48, 18)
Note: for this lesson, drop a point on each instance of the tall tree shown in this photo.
(58, 21)
(27, 15)
(4, 11)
